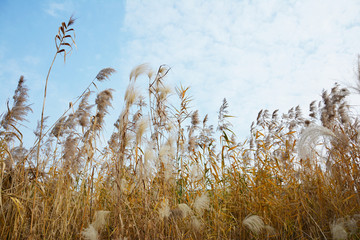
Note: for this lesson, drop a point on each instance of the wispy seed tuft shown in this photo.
(105, 74)
(201, 203)
(254, 223)
(138, 70)
(164, 210)
(90, 233)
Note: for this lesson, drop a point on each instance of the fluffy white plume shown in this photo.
(254, 223)
(196, 223)
(201, 203)
(185, 210)
(100, 219)
(90, 233)
(309, 139)
(338, 231)
(164, 211)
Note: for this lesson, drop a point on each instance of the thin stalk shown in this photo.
(43, 109)
(38, 146)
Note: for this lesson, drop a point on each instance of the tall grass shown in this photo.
(164, 174)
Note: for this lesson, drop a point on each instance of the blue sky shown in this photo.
(258, 54)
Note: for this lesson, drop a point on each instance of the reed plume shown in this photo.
(254, 223)
(168, 173)
(17, 112)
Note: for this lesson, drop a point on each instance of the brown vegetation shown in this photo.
(163, 174)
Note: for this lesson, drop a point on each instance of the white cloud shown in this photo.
(56, 9)
(259, 54)
(31, 60)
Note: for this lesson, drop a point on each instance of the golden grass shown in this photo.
(163, 174)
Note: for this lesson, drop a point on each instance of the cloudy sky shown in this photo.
(258, 54)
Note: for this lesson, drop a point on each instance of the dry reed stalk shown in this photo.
(61, 43)
(151, 171)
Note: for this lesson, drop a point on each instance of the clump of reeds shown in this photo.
(16, 113)
(167, 173)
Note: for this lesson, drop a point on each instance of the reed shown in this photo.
(164, 175)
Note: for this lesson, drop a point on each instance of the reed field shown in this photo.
(167, 173)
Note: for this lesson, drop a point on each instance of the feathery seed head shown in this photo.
(176, 213)
(70, 150)
(84, 119)
(137, 116)
(275, 115)
(18, 154)
(185, 210)
(165, 156)
(163, 69)
(341, 226)
(202, 203)
(98, 120)
(351, 225)
(309, 138)
(83, 111)
(71, 21)
(196, 223)
(130, 95)
(254, 223)
(19, 109)
(71, 122)
(165, 153)
(206, 118)
(164, 210)
(149, 154)
(90, 233)
(195, 118)
(338, 231)
(138, 70)
(164, 92)
(58, 129)
(343, 112)
(105, 74)
(168, 171)
(196, 173)
(150, 74)
(313, 109)
(100, 219)
(141, 127)
(103, 100)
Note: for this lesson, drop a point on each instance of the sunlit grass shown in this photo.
(165, 173)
